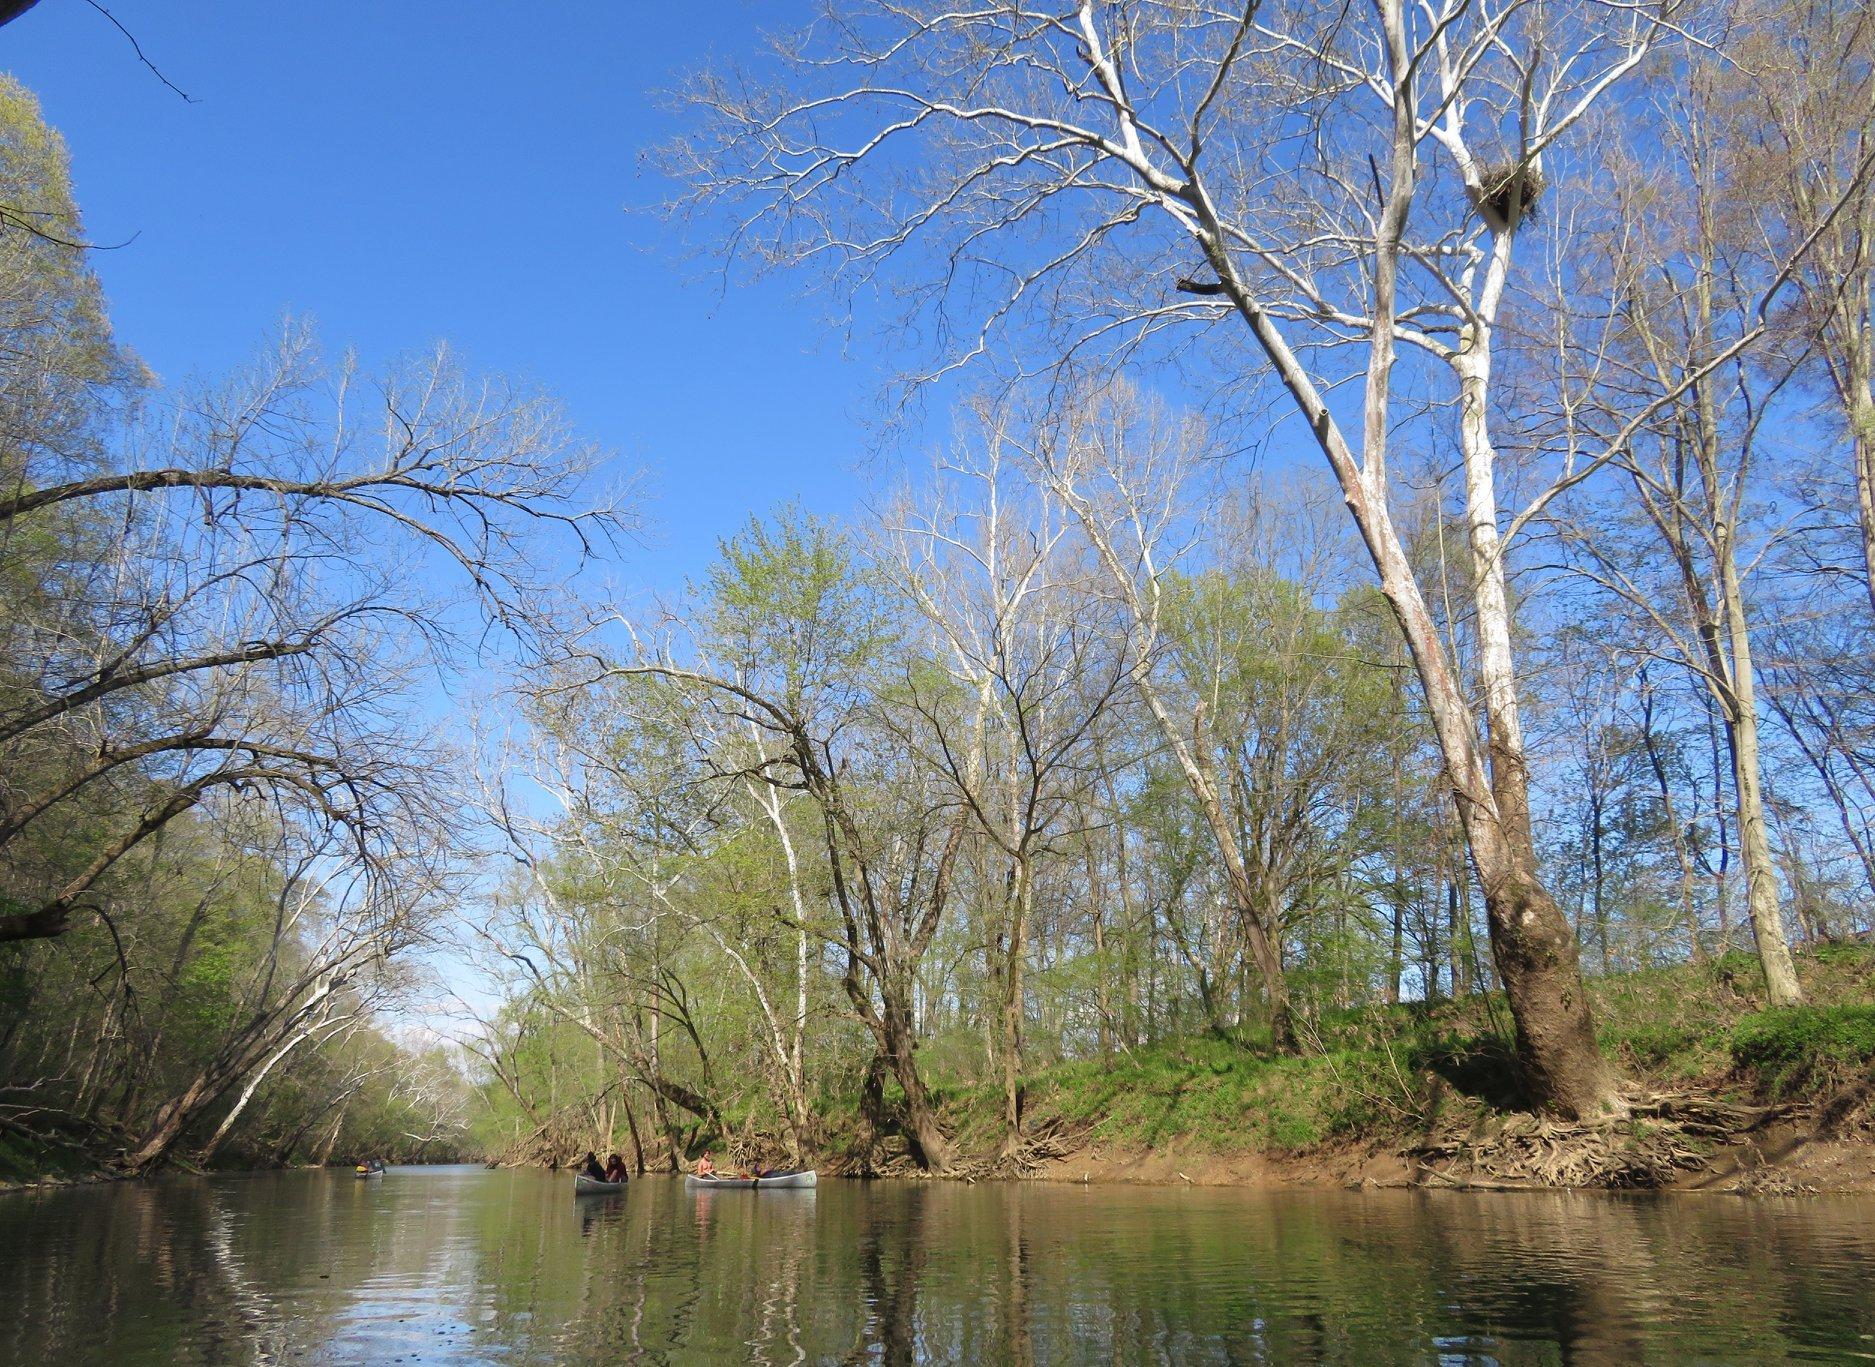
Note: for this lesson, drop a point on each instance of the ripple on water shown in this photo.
(505, 1267)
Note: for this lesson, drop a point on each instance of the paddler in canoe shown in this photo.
(706, 1167)
(708, 1175)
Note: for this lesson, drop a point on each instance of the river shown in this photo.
(462, 1265)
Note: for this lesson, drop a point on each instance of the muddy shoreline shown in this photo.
(1797, 1156)
(1779, 1162)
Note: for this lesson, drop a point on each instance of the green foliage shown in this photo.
(788, 604)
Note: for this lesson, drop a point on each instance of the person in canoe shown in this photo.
(706, 1167)
(615, 1170)
(589, 1166)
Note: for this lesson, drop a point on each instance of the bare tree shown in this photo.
(332, 942)
(262, 606)
(891, 855)
(1350, 180)
(1128, 480)
(767, 688)
(639, 775)
(1683, 286)
(1797, 116)
(1029, 664)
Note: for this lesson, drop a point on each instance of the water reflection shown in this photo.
(473, 1266)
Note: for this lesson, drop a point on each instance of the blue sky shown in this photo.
(402, 172)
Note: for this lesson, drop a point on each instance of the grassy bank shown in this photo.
(1375, 1087)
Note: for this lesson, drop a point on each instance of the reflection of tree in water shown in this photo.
(902, 1273)
(777, 1337)
(1616, 1279)
(1154, 1276)
(597, 1211)
(890, 1332)
(1014, 1320)
(127, 1272)
(683, 1274)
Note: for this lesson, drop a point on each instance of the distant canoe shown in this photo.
(375, 1171)
(588, 1186)
(797, 1180)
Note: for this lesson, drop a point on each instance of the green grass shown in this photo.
(1389, 1072)
(1224, 1092)
(1806, 1048)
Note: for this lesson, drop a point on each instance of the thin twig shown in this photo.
(138, 49)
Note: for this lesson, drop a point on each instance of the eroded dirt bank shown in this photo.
(1780, 1159)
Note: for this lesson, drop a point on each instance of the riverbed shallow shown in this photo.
(467, 1265)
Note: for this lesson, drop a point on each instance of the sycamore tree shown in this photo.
(1021, 668)
(1288, 196)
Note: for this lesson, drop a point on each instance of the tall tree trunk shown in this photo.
(1536, 955)
(1722, 866)
(1103, 996)
(1733, 675)
(631, 1124)
(332, 1135)
(930, 1149)
(1767, 921)
(252, 1085)
(1862, 444)
(1015, 964)
(171, 1118)
(793, 1058)
(1531, 942)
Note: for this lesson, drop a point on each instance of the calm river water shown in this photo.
(462, 1265)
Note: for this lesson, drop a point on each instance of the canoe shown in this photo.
(587, 1186)
(370, 1172)
(797, 1180)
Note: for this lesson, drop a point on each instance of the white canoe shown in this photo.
(795, 1180)
(586, 1186)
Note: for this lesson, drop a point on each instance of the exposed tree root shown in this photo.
(1663, 1136)
(1041, 1144)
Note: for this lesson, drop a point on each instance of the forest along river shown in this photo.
(463, 1265)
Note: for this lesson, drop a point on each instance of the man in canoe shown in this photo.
(615, 1170)
(590, 1167)
(705, 1167)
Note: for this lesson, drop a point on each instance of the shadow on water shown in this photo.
(473, 1266)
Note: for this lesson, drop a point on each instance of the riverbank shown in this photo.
(1729, 1096)
(29, 1162)
(34, 1161)
(1726, 1095)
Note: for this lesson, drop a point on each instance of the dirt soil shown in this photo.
(1779, 1159)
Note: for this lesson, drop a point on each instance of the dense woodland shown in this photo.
(1405, 535)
